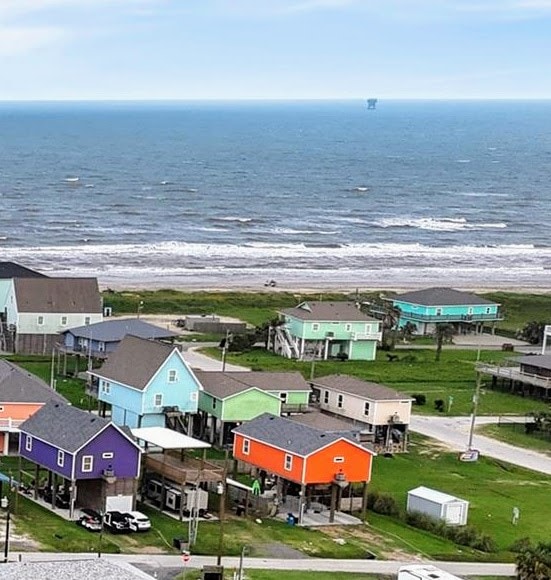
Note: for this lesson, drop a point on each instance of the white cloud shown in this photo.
(18, 40)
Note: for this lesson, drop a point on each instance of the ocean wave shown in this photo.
(241, 220)
(293, 232)
(480, 194)
(436, 224)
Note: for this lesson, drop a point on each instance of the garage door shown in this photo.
(118, 503)
(453, 514)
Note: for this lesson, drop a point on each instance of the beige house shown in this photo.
(38, 309)
(385, 412)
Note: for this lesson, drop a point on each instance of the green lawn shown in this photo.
(515, 435)
(522, 308)
(453, 375)
(493, 488)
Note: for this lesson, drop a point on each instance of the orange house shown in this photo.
(302, 455)
(21, 395)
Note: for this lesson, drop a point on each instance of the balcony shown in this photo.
(372, 336)
(183, 470)
(452, 317)
(293, 408)
(10, 424)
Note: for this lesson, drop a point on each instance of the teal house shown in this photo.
(431, 306)
(325, 330)
(147, 383)
(229, 399)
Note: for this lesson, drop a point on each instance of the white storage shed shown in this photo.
(438, 505)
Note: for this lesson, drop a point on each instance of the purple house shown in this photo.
(89, 461)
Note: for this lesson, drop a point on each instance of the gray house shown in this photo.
(100, 339)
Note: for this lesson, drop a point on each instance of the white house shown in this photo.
(384, 411)
(38, 309)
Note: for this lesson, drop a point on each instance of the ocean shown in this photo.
(309, 194)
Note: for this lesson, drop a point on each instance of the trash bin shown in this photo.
(291, 520)
(179, 543)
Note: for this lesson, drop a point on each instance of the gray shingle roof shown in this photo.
(288, 435)
(223, 385)
(441, 297)
(543, 361)
(328, 312)
(19, 386)
(12, 270)
(326, 423)
(64, 426)
(115, 330)
(58, 295)
(135, 361)
(354, 386)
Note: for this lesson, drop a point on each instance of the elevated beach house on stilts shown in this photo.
(324, 330)
(148, 384)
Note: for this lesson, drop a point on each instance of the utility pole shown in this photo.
(476, 398)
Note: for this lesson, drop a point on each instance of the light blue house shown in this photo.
(148, 384)
(323, 330)
(431, 306)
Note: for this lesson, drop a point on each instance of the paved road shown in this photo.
(454, 432)
(200, 361)
(154, 561)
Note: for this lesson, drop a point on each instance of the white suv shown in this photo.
(137, 521)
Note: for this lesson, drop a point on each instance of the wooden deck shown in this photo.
(180, 471)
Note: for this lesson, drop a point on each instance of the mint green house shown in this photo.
(324, 330)
(229, 399)
(431, 306)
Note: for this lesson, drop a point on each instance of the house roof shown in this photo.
(328, 312)
(441, 297)
(64, 426)
(168, 438)
(288, 435)
(365, 389)
(433, 495)
(13, 270)
(135, 361)
(325, 422)
(115, 330)
(20, 386)
(58, 295)
(224, 385)
(543, 361)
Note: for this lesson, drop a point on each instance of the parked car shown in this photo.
(116, 522)
(90, 520)
(138, 522)
(62, 500)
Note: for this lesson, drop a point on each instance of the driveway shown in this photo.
(196, 360)
(454, 433)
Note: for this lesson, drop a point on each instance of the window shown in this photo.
(158, 400)
(1, 408)
(368, 328)
(348, 327)
(288, 462)
(106, 388)
(213, 403)
(40, 320)
(283, 397)
(107, 455)
(315, 326)
(87, 463)
(246, 446)
(439, 312)
(193, 396)
(366, 408)
(60, 458)
(172, 376)
(470, 310)
(29, 443)
(101, 346)
(63, 321)
(87, 321)
(326, 397)
(338, 459)
(339, 401)
(488, 310)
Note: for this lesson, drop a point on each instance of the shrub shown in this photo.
(439, 405)
(386, 505)
(521, 544)
(419, 399)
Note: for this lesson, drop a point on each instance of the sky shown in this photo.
(274, 49)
